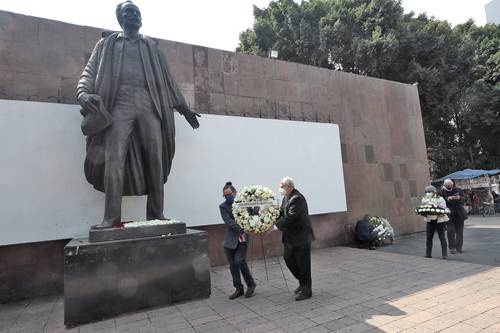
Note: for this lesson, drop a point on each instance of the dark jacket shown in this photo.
(294, 220)
(456, 206)
(364, 230)
(233, 230)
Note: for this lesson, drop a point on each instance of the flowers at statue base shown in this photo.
(255, 209)
(148, 223)
(382, 227)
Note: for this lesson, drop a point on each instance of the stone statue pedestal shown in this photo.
(105, 279)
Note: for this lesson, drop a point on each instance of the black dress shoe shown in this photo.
(250, 291)
(428, 256)
(237, 293)
(303, 295)
(460, 251)
(298, 290)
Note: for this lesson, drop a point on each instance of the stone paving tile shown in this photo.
(492, 329)
(417, 329)
(104, 325)
(380, 320)
(212, 325)
(259, 328)
(327, 317)
(291, 318)
(277, 330)
(222, 329)
(317, 311)
(301, 326)
(421, 317)
(249, 323)
(356, 328)
(397, 325)
(317, 329)
(461, 328)
(169, 327)
(439, 323)
(482, 321)
(493, 312)
(204, 320)
(133, 326)
(139, 316)
(353, 291)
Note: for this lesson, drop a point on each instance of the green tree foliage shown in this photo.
(457, 69)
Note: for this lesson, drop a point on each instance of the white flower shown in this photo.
(268, 212)
(137, 224)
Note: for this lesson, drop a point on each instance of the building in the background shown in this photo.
(493, 12)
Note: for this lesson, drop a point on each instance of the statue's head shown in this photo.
(128, 15)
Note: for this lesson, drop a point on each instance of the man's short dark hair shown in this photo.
(229, 185)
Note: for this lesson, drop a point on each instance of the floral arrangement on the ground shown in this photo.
(382, 227)
(149, 223)
(255, 209)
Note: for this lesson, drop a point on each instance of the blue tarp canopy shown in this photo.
(468, 174)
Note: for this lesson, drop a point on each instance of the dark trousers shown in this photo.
(238, 263)
(371, 242)
(455, 233)
(133, 114)
(298, 261)
(432, 226)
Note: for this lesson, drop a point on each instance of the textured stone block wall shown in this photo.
(31, 269)
(383, 145)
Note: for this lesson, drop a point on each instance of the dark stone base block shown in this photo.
(105, 279)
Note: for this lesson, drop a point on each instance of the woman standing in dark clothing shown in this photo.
(435, 222)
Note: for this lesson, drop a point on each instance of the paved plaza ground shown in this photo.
(354, 291)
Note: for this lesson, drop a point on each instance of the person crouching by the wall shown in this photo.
(365, 233)
(236, 243)
(435, 222)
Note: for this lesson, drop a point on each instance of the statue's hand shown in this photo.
(191, 118)
(88, 101)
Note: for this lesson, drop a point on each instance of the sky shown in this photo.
(211, 23)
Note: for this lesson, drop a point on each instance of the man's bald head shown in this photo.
(287, 185)
(448, 183)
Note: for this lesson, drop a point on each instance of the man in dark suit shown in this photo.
(297, 236)
(454, 198)
(236, 243)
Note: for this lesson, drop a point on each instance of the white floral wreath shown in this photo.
(255, 209)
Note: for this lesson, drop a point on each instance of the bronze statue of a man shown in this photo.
(127, 84)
